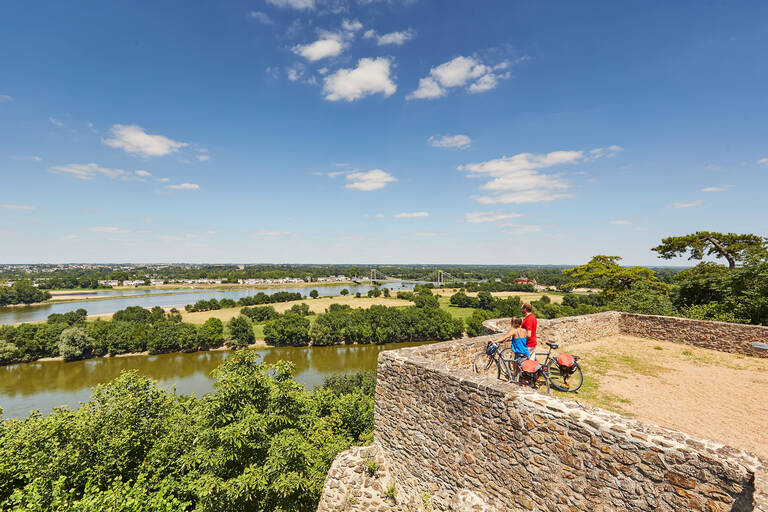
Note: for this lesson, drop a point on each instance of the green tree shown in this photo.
(604, 272)
(314, 294)
(344, 292)
(731, 246)
(211, 333)
(240, 331)
(8, 351)
(289, 329)
(74, 343)
(643, 299)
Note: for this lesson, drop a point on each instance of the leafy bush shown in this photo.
(289, 329)
(74, 343)
(210, 334)
(260, 314)
(259, 442)
(240, 331)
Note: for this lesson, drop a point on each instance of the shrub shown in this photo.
(314, 294)
(210, 334)
(74, 343)
(240, 331)
(289, 329)
(260, 314)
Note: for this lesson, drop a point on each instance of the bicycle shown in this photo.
(562, 372)
(484, 362)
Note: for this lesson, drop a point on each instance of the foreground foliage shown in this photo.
(259, 442)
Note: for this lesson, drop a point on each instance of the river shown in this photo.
(43, 385)
(172, 297)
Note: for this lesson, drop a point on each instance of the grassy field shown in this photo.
(318, 305)
(524, 296)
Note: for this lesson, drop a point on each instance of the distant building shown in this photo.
(525, 280)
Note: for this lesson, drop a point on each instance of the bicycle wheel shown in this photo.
(484, 365)
(508, 355)
(567, 383)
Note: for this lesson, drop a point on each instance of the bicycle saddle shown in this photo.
(553, 346)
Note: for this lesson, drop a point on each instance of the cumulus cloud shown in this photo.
(411, 215)
(521, 229)
(56, 122)
(717, 189)
(134, 139)
(261, 17)
(330, 45)
(108, 229)
(5, 98)
(369, 180)
(689, 204)
(517, 179)
(468, 72)
(494, 216)
(607, 152)
(18, 206)
(392, 38)
(184, 186)
(203, 158)
(371, 76)
(450, 141)
(763, 161)
(143, 174)
(351, 25)
(620, 222)
(293, 4)
(88, 171)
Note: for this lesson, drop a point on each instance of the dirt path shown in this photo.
(702, 392)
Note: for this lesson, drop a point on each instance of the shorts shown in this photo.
(532, 351)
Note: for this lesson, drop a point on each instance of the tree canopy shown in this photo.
(604, 272)
(732, 247)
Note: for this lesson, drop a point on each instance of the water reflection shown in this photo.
(44, 385)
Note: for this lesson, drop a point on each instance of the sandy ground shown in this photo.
(701, 392)
(318, 305)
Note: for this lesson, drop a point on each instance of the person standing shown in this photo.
(529, 324)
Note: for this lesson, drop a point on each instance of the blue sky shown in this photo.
(378, 131)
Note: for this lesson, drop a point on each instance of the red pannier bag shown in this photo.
(530, 366)
(565, 363)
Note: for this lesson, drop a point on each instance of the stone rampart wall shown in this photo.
(446, 430)
(447, 433)
(722, 336)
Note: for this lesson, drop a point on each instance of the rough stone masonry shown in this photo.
(450, 439)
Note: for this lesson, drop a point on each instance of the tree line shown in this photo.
(22, 292)
(259, 442)
(259, 298)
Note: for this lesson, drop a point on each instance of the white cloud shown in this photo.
(717, 189)
(379, 215)
(371, 76)
(495, 216)
(295, 72)
(134, 139)
(620, 222)
(450, 141)
(56, 122)
(351, 26)
(143, 174)
(517, 179)
(293, 4)
(203, 158)
(36, 158)
(163, 180)
(18, 206)
(607, 152)
(763, 161)
(184, 186)
(87, 171)
(330, 45)
(108, 229)
(521, 229)
(690, 204)
(369, 180)
(270, 234)
(261, 17)
(4, 98)
(411, 215)
(392, 38)
(469, 72)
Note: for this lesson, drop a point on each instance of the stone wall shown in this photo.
(456, 440)
(722, 336)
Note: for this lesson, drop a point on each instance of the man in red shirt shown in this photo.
(529, 324)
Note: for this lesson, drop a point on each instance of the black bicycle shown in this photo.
(563, 371)
(491, 361)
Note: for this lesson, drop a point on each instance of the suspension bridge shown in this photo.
(436, 277)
